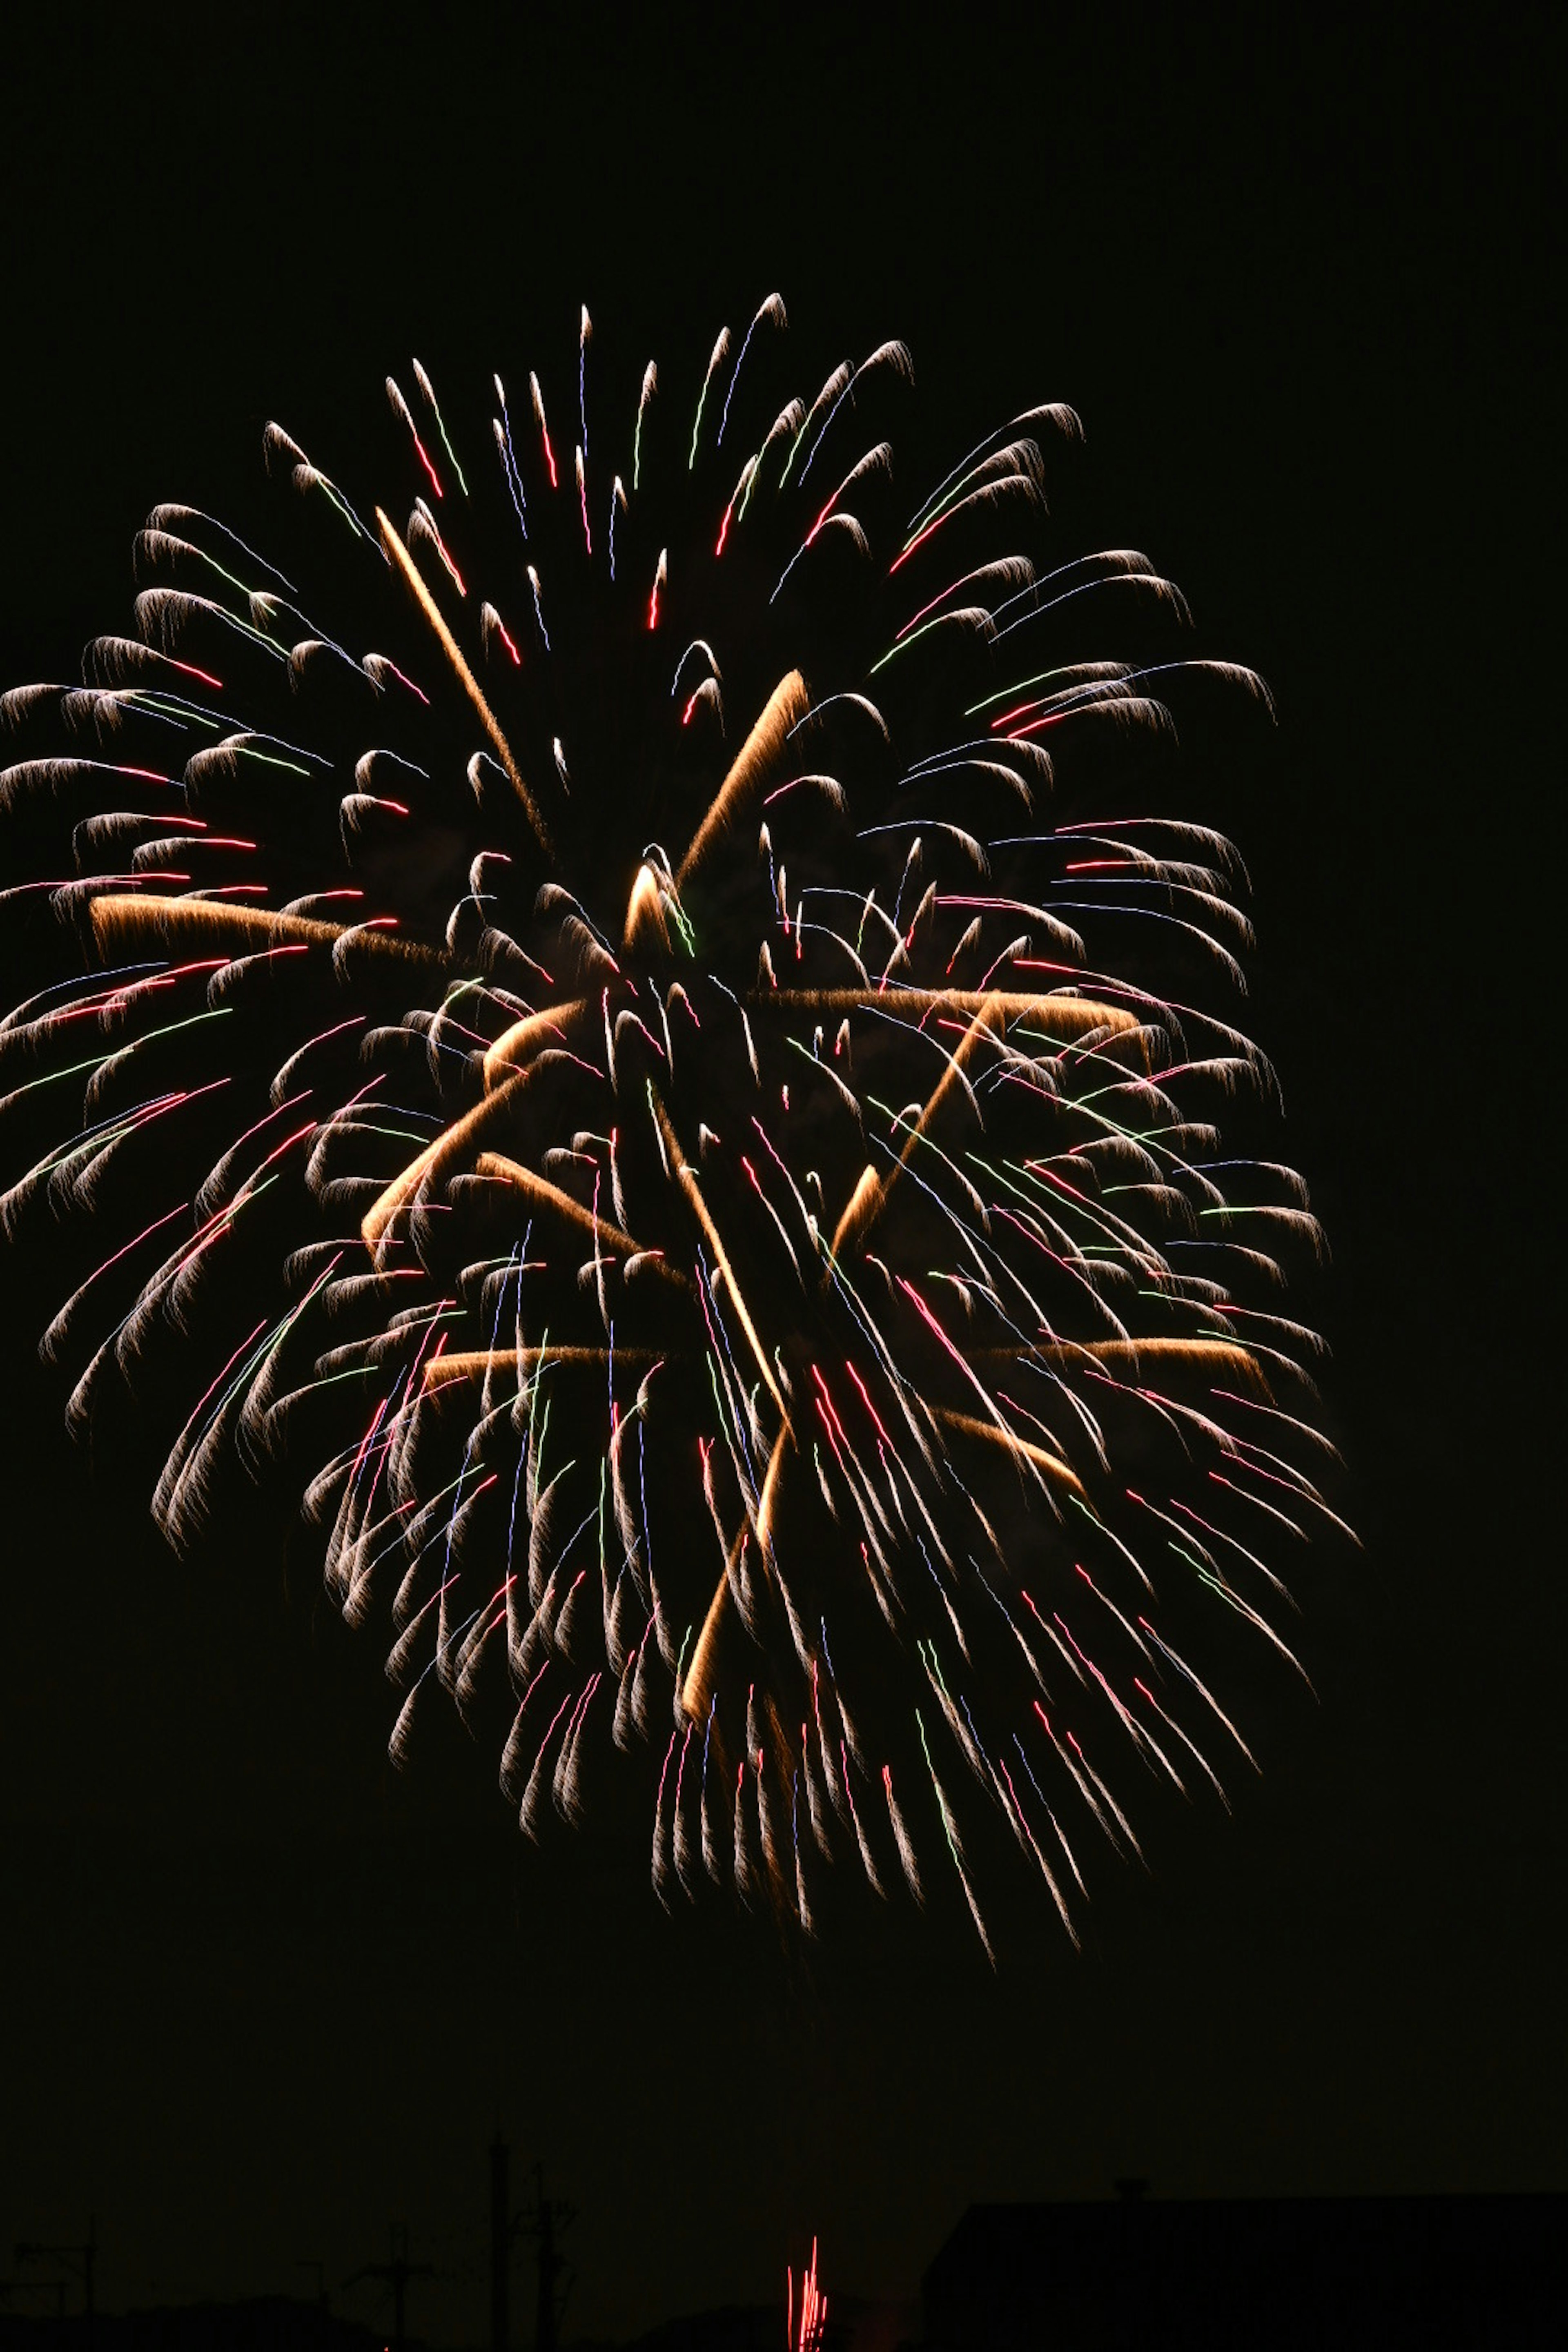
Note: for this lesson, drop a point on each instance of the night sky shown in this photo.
(264, 1995)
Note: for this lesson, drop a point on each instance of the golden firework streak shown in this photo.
(644, 912)
(463, 1136)
(476, 1364)
(1068, 1017)
(767, 1502)
(869, 1197)
(1140, 1356)
(546, 1195)
(1052, 1463)
(700, 1207)
(785, 707)
(695, 1689)
(515, 1047)
(218, 923)
(469, 683)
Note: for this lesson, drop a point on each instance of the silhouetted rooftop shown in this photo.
(262, 2324)
(1453, 2273)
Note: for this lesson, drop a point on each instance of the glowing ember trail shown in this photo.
(805, 2309)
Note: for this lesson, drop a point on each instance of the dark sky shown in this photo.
(263, 1996)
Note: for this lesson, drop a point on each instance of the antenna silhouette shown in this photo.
(78, 2259)
(395, 2273)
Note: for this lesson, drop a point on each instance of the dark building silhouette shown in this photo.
(853, 2326)
(1441, 2273)
(263, 2324)
(731, 2328)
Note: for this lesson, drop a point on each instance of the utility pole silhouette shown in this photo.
(540, 2222)
(78, 2259)
(548, 2215)
(395, 2273)
(500, 2245)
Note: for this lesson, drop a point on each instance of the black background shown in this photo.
(261, 1996)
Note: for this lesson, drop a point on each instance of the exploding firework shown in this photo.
(662, 1045)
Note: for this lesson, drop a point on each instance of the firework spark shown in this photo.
(806, 2308)
(690, 1073)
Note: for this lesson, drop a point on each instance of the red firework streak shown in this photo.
(807, 2332)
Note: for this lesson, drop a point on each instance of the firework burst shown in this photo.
(661, 1044)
